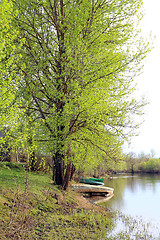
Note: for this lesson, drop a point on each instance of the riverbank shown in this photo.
(31, 207)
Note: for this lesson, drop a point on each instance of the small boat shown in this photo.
(91, 181)
(97, 179)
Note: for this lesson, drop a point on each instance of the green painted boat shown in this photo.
(97, 179)
(91, 181)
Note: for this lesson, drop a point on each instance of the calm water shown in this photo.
(136, 196)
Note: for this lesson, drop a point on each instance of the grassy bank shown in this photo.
(31, 207)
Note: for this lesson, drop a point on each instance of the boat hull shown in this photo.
(97, 179)
(92, 182)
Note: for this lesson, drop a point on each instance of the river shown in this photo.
(137, 196)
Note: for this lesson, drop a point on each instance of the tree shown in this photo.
(75, 77)
(7, 60)
(8, 81)
(131, 161)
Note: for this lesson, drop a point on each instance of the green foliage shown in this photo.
(131, 162)
(72, 77)
(143, 163)
(150, 166)
(9, 57)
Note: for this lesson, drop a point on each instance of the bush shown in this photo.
(141, 166)
(151, 166)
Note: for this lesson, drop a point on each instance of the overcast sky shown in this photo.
(149, 85)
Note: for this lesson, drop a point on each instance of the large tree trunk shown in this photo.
(67, 176)
(58, 169)
(62, 175)
(69, 169)
(58, 174)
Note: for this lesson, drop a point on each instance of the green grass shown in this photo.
(14, 175)
(31, 207)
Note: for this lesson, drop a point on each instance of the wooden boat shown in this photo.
(91, 181)
(94, 190)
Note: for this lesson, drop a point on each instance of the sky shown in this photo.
(148, 84)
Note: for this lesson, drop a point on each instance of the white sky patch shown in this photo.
(149, 85)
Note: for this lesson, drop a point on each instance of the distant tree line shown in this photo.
(143, 163)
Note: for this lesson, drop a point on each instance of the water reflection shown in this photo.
(137, 195)
(127, 227)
